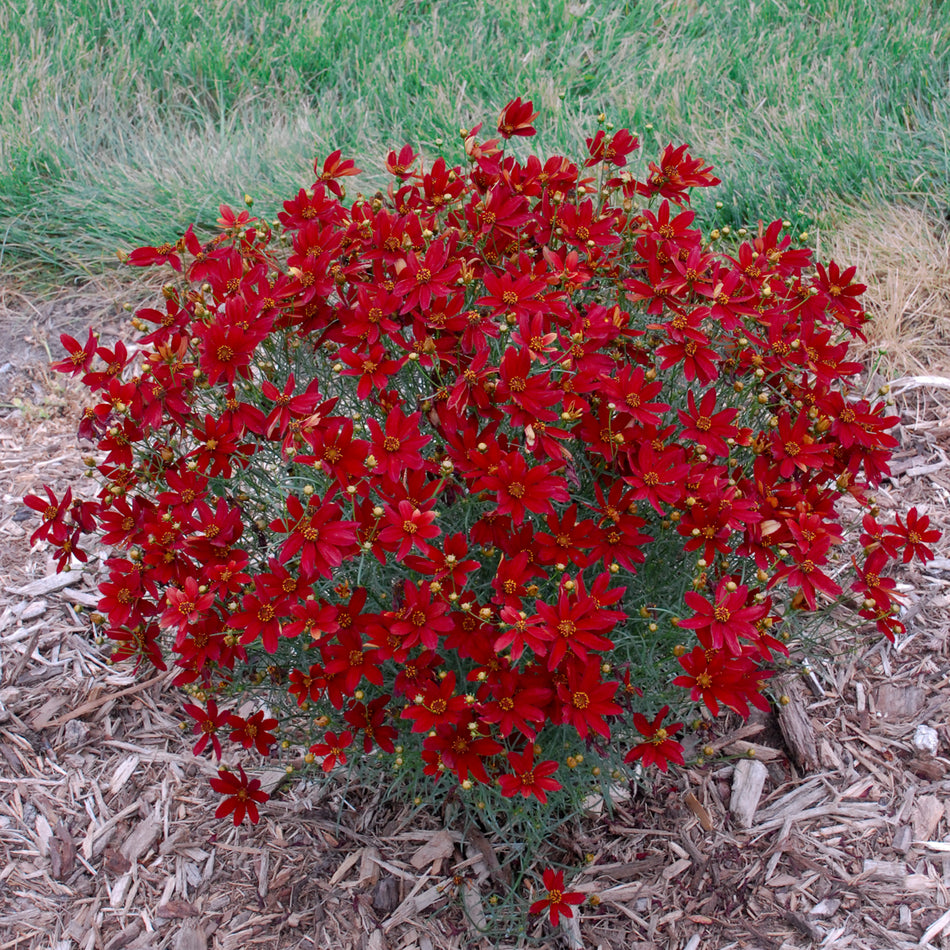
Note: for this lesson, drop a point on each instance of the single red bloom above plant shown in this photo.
(659, 749)
(556, 901)
(516, 119)
(207, 723)
(243, 796)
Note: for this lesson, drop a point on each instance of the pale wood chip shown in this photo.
(472, 902)
(48, 585)
(437, 848)
(928, 810)
(142, 838)
(370, 859)
(191, 937)
(889, 872)
(899, 702)
(747, 784)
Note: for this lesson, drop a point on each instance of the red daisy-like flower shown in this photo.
(207, 723)
(704, 425)
(408, 527)
(528, 777)
(720, 622)
(243, 796)
(184, 605)
(398, 444)
(516, 119)
(254, 731)
(520, 489)
(587, 700)
(556, 901)
(659, 749)
(333, 749)
(318, 533)
(914, 537)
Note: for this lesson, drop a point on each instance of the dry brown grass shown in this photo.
(903, 256)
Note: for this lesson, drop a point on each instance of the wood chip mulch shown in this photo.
(823, 825)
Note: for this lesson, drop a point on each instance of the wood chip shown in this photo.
(142, 838)
(437, 848)
(899, 702)
(797, 728)
(48, 585)
(485, 849)
(697, 808)
(472, 902)
(936, 928)
(191, 937)
(747, 784)
(889, 872)
(928, 810)
(62, 852)
(176, 910)
(369, 866)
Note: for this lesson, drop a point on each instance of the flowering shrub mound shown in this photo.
(495, 467)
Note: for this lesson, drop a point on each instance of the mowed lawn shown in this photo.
(120, 124)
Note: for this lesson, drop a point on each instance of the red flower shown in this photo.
(53, 512)
(243, 796)
(79, 357)
(461, 748)
(207, 723)
(556, 901)
(253, 731)
(795, 448)
(398, 445)
(408, 527)
(516, 119)
(587, 700)
(520, 489)
(162, 254)
(729, 616)
(332, 749)
(318, 534)
(436, 704)
(371, 721)
(659, 749)
(881, 592)
(657, 475)
(333, 168)
(185, 605)
(914, 536)
(734, 682)
(226, 345)
(529, 777)
(519, 700)
(257, 620)
(426, 278)
(401, 165)
(709, 428)
(613, 152)
(373, 368)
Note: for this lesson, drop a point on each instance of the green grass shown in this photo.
(120, 124)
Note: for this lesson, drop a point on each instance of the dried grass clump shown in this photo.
(903, 255)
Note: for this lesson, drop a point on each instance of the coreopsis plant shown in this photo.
(482, 474)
